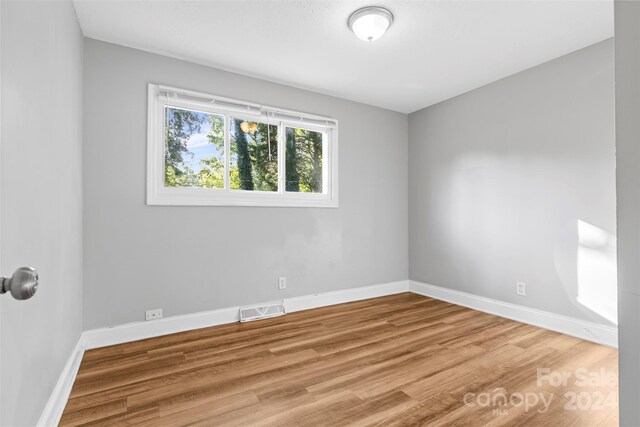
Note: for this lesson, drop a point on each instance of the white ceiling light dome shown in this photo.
(370, 23)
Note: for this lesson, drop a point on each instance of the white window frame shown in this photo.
(157, 194)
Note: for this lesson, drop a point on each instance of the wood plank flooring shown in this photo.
(397, 360)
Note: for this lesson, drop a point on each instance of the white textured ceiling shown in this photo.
(434, 50)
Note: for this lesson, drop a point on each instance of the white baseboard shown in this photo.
(347, 295)
(103, 337)
(589, 331)
(60, 394)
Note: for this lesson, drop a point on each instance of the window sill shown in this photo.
(202, 197)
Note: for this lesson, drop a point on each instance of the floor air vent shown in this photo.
(257, 312)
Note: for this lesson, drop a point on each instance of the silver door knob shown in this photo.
(22, 285)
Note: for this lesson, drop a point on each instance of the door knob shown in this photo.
(22, 285)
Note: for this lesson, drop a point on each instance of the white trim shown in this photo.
(135, 331)
(128, 332)
(158, 194)
(324, 299)
(583, 329)
(60, 395)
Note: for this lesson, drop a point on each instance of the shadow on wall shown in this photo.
(597, 271)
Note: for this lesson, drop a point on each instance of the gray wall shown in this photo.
(627, 53)
(499, 177)
(41, 202)
(189, 259)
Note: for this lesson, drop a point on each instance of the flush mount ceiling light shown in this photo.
(370, 23)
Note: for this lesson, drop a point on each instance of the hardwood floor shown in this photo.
(397, 360)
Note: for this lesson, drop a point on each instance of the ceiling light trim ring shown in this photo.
(368, 11)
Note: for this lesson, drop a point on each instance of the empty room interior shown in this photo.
(319, 213)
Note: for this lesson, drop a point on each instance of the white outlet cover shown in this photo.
(282, 283)
(153, 314)
(521, 288)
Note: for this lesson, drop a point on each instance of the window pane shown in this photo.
(194, 149)
(303, 161)
(254, 156)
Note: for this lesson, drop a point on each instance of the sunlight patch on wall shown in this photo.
(597, 271)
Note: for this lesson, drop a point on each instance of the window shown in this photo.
(209, 150)
(254, 155)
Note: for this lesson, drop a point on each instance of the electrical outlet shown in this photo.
(282, 283)
(521, 289)
(153, 314)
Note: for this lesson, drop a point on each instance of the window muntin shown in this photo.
(198, 145)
